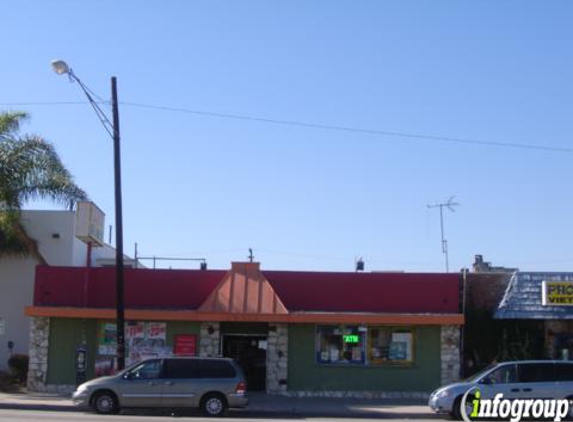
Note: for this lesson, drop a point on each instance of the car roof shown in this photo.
(190, 358)
(567, 362)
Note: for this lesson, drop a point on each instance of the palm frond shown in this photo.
(14, 240)
(30, 168)
(10, 122)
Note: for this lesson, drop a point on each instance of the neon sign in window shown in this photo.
(350, 338)
(342, 345)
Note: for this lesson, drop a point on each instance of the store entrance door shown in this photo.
(250, 351)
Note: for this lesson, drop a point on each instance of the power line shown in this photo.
(295, 123)
(350, 129)
(42, 103)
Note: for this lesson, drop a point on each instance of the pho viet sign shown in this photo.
(557, 293)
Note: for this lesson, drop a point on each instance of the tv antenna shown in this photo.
(449, 204)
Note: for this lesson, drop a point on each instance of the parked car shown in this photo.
(210, 384)
(519, 379)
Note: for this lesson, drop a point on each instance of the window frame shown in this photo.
(355, 329)
(392, 329)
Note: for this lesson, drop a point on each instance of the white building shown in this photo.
(55, 234)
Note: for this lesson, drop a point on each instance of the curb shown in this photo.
(254, 412)
(39, 407)
(246, 413)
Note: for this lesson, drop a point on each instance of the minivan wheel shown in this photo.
(569, 416)
(456, 412)
(105, 403)
(213, 404)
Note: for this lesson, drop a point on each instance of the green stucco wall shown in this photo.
(305, 374)
(182, 327)
(66, 335)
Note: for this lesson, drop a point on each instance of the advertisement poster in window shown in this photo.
(105, 366)
(107, 339)
(401, 347)
(142, 340)
(149, 341)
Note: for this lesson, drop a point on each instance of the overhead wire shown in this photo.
(311, 125)
(104, 120)
(349, 129)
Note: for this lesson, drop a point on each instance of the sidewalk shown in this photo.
(35, 401)
(260, 405)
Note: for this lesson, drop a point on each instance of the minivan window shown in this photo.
(564, 371)
(537, 372)
(147, 370)
(216, 369)
(503, 375)
(182, 368)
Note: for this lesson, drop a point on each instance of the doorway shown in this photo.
(250, 352)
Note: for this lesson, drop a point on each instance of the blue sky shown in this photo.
(305, 198)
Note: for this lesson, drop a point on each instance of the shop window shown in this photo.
(390, 345)
(340, 345)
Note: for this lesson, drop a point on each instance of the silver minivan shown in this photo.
(541, 379)
(210, 384)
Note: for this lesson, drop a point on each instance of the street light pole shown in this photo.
(112, 128)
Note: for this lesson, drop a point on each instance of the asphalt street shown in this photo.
(9, 415)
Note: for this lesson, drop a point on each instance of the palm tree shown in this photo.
(30, 168)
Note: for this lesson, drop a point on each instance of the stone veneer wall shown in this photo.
(210, 343)
(38, 352)
(450, 353)
(277, 359)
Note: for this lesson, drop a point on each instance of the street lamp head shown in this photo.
(61, 67)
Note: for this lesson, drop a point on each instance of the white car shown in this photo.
(541, 379)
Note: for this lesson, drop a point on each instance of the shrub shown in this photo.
(19, 367)
(8, 383)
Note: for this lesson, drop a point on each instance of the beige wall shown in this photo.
(16, 292)
(17, 274)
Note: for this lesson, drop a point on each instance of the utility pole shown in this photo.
(450, 204)
(119, 267)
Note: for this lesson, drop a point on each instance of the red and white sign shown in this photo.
(185, 345)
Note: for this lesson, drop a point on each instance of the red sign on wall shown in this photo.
(185, 345)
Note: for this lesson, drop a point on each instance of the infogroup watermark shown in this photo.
(514, 409)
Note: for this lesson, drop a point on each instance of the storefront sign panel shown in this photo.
(557, 293)
(185, 345)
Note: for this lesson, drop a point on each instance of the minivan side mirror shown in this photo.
(486, 381)
(128, 376)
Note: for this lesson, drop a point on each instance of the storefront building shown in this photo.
(294, 333)
(545, 301)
